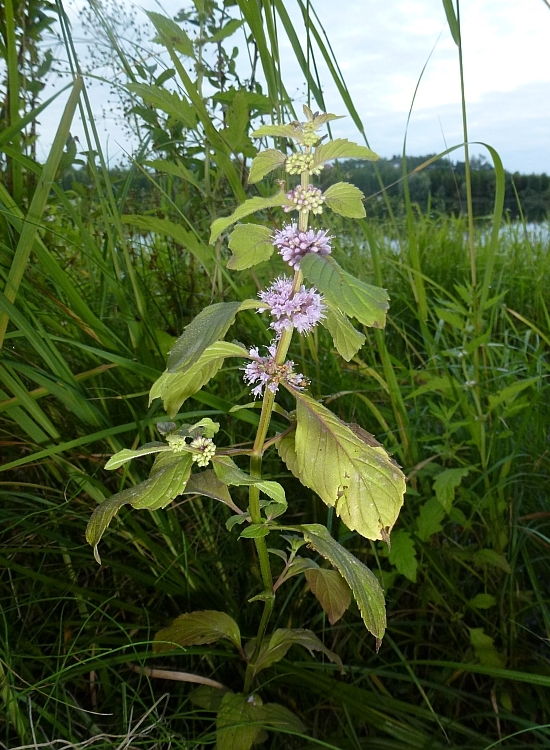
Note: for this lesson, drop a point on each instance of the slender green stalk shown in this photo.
(13, 97)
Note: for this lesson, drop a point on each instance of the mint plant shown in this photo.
(349, 470)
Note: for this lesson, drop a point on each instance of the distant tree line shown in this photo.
(441, 187)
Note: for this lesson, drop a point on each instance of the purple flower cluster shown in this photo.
(293, 244)
(303, 310)
(268, 374)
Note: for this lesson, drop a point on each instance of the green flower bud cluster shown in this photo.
(177, 443)
(300, 163)
(305, 199)
(207, 450)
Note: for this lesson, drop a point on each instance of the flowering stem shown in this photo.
(256, 472)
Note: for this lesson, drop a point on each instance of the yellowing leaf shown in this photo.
(341, 148)
(264, 163)
(367, 303)
(245, 209)
(345, 199)
(346, 467)
(330, 590)
(364, 586)
(197, 629)
(251, 244)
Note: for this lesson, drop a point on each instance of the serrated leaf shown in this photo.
(169, 31)
(207, 483)
(403, 554)
(281, 641)
(485, 650)
(367, 303)
(490, 557)
(510, 392)
(175, 387)
(230, 28)
(127, 455)
(429, 520)
(168, 228)
(167, 101)
(363, 584)
(345, 199)
(445, 485)
(238, 724)
(229, 473)
(279, 131)
(197, 629)
(251, 244)
(245, 209)
(346, 338)
(167, 480)
(255, 531)
(264, 163)
(324, 117)
(341, 148)
(346, 467)
(482, 601)
(330, 590)
(210, 325)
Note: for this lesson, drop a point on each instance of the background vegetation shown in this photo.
(100, 274)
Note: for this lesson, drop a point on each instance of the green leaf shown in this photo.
(235, 133)
(278, 718)
(363, 584)
(279, 131)
(341, 148)
(207, 483)
(197, 629)
(429, 520)
(490, 557)
(175, 387)
(485, 650)
(281, 641)
(403, 554)
(238, 723)
(172, 33)
(345, 199)
(245, 209)
(330, 590)
(367, 303)
(445, 484)
(167, 228)
(452, 20)
(347, 339)
(346, 467)
(229, 473)
(177, 169)
(482, 601)
(510, 392)
(251, 244)
(207, 697)
(168, 478)
(255, 531)
(210, 325)
(264, 163)
(230, 28)
(127, 455)
(167, 101)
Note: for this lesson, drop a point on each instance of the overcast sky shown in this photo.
(382, 46)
